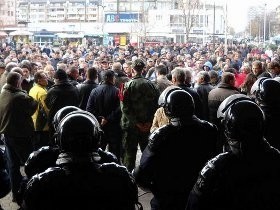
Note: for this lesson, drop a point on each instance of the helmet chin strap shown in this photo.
(176, 122)
(236, 148)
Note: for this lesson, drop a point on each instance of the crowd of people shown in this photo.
(74, 118)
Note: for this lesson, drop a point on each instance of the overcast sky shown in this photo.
(238, 10)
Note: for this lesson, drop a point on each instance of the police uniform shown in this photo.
(246, 177)
(82, 176)
(81, 185)
(175, 154)
(230, 183)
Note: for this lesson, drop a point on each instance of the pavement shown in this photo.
(144, 197)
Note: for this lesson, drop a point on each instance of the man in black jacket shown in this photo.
(178, 79)
(104, 104)
(86, 87)
(61, 94)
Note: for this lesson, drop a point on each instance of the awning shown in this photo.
(3, 34)
(65, 35)
(21, 33)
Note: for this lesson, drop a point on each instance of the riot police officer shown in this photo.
(246, 177)
(222, 142)
(175, 152)
(267, 95)
(79, 178)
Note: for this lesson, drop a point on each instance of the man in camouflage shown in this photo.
(138, 104)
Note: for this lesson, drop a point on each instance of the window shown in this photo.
(158, 17)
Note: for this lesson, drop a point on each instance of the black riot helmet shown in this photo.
(179, 104)
(267, 92)
(78, 132)
(60, 114)
(163, 96)
(228, 102)
(243, 124)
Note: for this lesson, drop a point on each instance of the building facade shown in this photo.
(7, 13)
(136, 20)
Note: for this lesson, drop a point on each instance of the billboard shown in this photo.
(122, 18)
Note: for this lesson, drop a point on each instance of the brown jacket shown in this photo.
(160, 119)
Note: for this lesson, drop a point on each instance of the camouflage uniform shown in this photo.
(138, 105)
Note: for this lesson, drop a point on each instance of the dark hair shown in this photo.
(275, 63)
(161, 69)
(227, 77)
(13, 78)
(109, 75)
(213, 74)
(138, 65)
(38, 75)
(92, 73)
(248, 82)
(25, 64)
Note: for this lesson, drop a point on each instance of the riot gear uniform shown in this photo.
(175, 153)
(246, 177)
(267, 92)
(83, 176)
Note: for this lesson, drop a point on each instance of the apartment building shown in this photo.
(137, 20)
(7, 13)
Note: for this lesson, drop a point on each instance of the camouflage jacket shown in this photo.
(138, 101)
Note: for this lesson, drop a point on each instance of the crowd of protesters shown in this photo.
(120, 86)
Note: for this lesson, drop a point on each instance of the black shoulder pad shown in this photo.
(42, 177)
(211, 173)
(40, 160)
(107, 157)
(209, 125)
(157, 137)
(114, 169)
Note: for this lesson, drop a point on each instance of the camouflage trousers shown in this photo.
(131, 138)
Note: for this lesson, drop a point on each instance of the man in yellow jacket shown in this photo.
(39, 92)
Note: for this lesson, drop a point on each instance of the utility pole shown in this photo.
(204, 22)
(226, 25)
(264, 24)
(214, 20)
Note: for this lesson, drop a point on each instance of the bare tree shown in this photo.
(190, 9)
